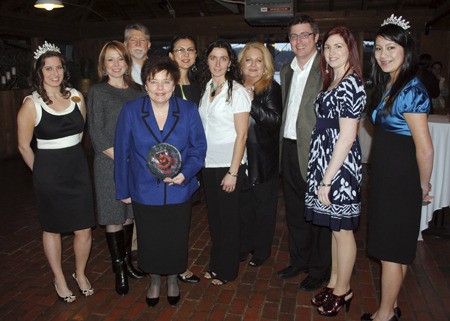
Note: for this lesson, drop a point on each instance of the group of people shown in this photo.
(161, 125)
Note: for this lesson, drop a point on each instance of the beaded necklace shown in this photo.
(214, 89)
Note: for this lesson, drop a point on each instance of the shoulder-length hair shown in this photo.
(232, 73)
(38, 77)
(123, 51)
(408, 69)
(192, 75)
(269, 68)
(353, 57)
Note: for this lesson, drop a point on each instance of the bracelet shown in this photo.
(324, 185)
(231, 174)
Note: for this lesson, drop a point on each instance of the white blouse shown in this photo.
(218, 121)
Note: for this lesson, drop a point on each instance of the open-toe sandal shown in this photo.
(85, 292)
(209, 275)
(67, 299)
(218, 282)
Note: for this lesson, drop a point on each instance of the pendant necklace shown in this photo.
(214, 89)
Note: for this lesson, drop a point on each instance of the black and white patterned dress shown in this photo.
(346, 100)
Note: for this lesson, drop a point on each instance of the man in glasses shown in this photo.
(301, 81)
(137, 40)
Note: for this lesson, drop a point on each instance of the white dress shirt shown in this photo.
(295, 96)
(136, 73)
(218, 121)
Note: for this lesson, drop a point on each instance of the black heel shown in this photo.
(173, 300)
(151, 302)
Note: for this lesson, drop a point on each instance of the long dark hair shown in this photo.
(38, 77)
(353, 57)
(192, 74)
(122, 50)
(408, 69)
(233, 72)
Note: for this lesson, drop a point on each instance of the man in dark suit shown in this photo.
(301, 81)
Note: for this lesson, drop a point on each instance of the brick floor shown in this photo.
(27, 293)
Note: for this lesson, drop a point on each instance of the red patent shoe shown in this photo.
(321, 297)
(334, 303)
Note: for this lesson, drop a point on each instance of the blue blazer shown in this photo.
(137, 131)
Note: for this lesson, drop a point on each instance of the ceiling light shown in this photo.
(48, 4)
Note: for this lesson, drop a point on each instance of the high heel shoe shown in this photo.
(173, 300)
(85, 292)
(151, 302)
(334, 303)
(368, 316)
(322, 296)
(67, 299)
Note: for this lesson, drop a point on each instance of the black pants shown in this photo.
(223, 219)
(258, 218)
(309, 244)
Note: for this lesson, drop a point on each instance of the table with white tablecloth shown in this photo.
(440, 178)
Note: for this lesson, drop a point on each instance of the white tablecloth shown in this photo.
(440, 178)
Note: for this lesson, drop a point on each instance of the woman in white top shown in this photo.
(224, 110)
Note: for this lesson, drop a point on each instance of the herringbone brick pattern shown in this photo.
(27, 293)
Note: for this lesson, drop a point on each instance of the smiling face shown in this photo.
(138, 44)
(52, 72)
(184, 53)
(303, 48)
(115, 64)
(218, 62)
(336, 54)
(389, 56)
(160, 88)
(252, 64)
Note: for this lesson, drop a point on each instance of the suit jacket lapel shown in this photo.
(172, 118)
(150, 121)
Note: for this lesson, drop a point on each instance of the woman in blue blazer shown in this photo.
(161, 204)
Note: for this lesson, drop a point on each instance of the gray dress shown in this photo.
(104, 105)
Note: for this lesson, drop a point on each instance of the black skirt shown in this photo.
(395, 198)
(63, 189)
(163, 237)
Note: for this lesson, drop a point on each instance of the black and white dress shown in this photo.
(346, 100)
(60, 171)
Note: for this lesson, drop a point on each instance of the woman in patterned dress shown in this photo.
(56, 114)
(334, 167)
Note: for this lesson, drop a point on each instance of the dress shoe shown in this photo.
(173, 300)
(334, 303)
(151, 302)
(290, 272)
(368, 316)
(311, 284)
(190, 278)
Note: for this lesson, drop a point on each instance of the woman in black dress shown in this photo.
(402, 160)
(183, 50)
(55, 114)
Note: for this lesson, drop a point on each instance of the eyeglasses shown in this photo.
(303, 35)
(182, 51)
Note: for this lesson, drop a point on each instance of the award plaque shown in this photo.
(164, 160)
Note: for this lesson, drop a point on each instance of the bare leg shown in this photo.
(333, 275)
(82, 247)
(391, 282)
(114, 228)
(346, 256)
(52, 249)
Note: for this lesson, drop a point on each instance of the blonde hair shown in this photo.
(269, 68)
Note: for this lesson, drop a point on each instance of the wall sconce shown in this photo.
(56, 4)
(48, 4)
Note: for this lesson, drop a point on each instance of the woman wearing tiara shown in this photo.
(56, 114)
(402, 160)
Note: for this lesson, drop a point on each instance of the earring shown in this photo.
(127, 73)
(326, 69)
(105, 73)
(194, 68)
(228, 68)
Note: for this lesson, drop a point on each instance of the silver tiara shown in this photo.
(393, 20)
(44, 48)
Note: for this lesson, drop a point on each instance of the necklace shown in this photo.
(214, 89)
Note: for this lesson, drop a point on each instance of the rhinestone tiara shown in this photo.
(44, 48)
(399, 21)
